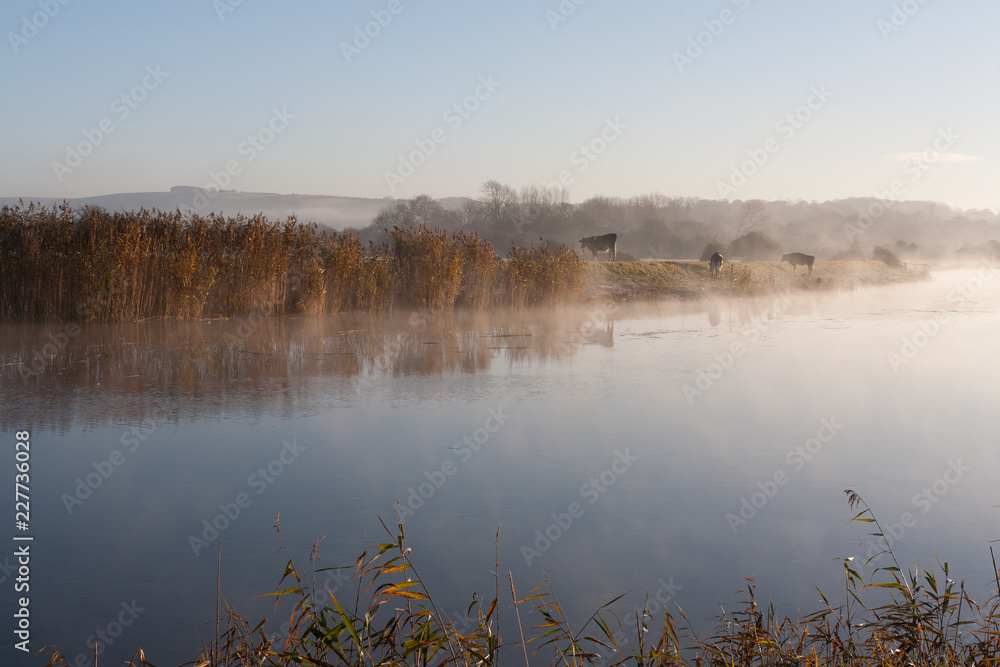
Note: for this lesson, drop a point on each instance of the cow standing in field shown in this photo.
(715, 265)
(596, 244)
(797, 259)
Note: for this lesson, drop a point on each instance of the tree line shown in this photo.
(655, 226)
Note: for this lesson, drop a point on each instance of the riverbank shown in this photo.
(689, 279)
(90, 265)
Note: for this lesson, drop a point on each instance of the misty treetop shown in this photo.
(654, 226)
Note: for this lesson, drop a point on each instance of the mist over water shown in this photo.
(663, 448)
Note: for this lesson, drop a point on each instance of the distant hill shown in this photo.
(334, 212)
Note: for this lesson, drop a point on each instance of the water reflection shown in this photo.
(104, 367)
(62, 372)
(714, 314)
(382, 403)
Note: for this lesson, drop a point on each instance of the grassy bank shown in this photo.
(91, 265)
(389, 618)
(691, 279)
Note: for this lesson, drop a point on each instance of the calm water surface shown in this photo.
(662, 449)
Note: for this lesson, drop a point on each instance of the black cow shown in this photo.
(715, 265)
(596, 244)
(797, 259)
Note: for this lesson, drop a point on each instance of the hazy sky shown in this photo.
(729, 98)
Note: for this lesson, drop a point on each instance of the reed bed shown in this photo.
(542, 276)
(390, 619)
(429, 266)
(92, 265)
(481, 271)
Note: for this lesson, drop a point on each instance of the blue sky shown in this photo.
(780, 100)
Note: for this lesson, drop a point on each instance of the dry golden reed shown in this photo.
(386, 616)
(94, 265)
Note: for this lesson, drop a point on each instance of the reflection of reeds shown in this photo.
(93, 265)
(193, 362)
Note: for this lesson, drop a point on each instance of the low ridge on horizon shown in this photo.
(8, 200)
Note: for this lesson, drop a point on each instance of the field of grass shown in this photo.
(691, 279)
(390, 619)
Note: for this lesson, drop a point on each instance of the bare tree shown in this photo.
(752, 213)
(474, 213)
(421, 210)
(648, 208)
(532, 196)
(677, 212)
(538, 204)
(604, 212)
(500, 201)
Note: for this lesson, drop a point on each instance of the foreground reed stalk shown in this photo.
(92, 265)
(389, 618)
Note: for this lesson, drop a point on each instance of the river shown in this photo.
(669, 449)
